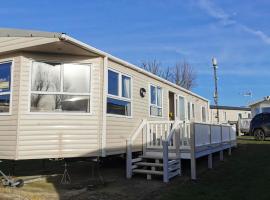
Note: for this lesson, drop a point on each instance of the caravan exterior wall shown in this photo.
(120, 127)
(100, 127)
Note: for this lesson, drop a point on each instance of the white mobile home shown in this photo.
(61, 98)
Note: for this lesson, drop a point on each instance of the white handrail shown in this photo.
(169, 137)
(138, 130)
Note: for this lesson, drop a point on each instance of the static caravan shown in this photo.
(61, 98)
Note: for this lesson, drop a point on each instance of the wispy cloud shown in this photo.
(227, 19)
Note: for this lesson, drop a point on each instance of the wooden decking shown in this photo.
(166, 143)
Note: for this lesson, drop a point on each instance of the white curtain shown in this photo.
(159, 97)
(126, 87)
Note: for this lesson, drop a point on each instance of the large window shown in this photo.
(155, 101)
(60, 87)
(119, 93)
(5, 87)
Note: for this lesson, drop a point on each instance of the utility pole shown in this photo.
(215, 66)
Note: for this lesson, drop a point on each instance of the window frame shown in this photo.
(119, 96)
(10, 93)
(185, 107)
(193, 114)
(202, 114)
(61, 63)
(155, 105)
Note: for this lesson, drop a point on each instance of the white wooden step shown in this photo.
(172, 162)
(173, 168)
(156, 157)
(143, 171)
(149, 164)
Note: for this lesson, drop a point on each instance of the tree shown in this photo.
(184, 75)
(153, 66)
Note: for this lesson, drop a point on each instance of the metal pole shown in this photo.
(216, 91)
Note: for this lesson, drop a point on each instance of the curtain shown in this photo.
(159, 97)
(126, 87)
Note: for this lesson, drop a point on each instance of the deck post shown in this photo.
(129, 160)
(221, 157)
(210, 161)
(192, 152)
(177, 148)
(144, 139)
(210, 156)
(165, 161)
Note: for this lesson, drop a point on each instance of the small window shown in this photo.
(225, 116)
(60, 87)
(239, 115)
(119, 94)
(5, 87)
(189, 111)
(182, 108)
(155, 101)
(203, 114)
(118, 107)
(193, 111)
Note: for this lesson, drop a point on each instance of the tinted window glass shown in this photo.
(153, 95)
(4, 103)
(118, 107)
(5, 77)
(113, 82)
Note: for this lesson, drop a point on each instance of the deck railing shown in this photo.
(171, 137)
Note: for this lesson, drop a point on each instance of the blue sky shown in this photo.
(236, 32)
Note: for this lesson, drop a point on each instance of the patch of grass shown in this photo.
(243, 176)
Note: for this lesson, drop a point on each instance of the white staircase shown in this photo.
(161, 152)
(153, 165)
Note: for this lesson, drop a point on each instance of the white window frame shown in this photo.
(193, 111)
(185, 107)
(189, 110)
(119, 96)
(202, 114)
(10, 93)
(155, 105)
(61, 63)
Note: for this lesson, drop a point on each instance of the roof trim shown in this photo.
(10, 32)
(127, 64)
(230, 108)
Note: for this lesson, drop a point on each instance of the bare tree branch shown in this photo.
(184, 75)
(153, 66)
(181, 73)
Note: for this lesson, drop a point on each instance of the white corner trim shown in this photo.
(104, 107)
